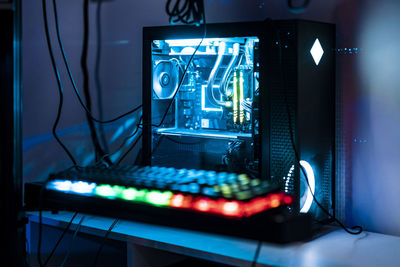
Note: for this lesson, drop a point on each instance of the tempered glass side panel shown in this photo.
(207, 118)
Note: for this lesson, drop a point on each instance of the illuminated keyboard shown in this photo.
(215, 193)
(208, 201)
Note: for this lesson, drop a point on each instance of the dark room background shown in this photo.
(368, 89)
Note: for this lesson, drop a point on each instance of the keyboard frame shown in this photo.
(276, 225)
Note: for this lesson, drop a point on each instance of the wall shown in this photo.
(367, 85)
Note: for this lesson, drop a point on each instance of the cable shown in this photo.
(85, 72)
(297, 9)
(57, 243)
(175, 17)
(104, 241)
(358, 229)
(130, 149)
(191, 12)
(256, 254)
(180, 83)
(60, 238)
(125, 140)
(184, 74)
(97, 76)
(60, 43)
(60, 88)
(72, 241)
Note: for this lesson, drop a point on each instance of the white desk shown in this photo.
(336, 248)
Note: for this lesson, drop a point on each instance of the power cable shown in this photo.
(182, 18)
(256, 254)
(97, 80)
(60, 43)
(72, 241)
(59, 85)
(104, 242)
(57, 243)
(125, 140)
(130, 149)
(85, 72)
(60, 238)
(190, 12)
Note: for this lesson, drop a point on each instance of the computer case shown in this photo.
(251, 94)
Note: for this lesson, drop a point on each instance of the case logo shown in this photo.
(316, 51)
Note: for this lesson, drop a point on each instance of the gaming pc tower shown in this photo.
(243, 97)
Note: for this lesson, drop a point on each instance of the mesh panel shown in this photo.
(283, 89)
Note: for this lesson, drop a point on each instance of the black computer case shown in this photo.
(286, 81)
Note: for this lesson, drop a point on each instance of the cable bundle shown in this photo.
(189, 12)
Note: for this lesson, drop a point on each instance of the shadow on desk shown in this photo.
(83, 251)
(115, 253)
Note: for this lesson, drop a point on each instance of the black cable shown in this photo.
(60, 43)
(57, 243)
(297, 9)
(60, 238)
(60, 88)
(183, 75)
(85, 72)
(256, 254)
(130, 149)
(104, 242)
(191, 12)
(125, 140)
(176, 16)
(358, 229)
(97, 80)
(72, 241)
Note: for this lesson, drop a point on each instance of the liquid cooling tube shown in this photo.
(210, 91)
(228, 70)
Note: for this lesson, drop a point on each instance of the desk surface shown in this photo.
(336, 248)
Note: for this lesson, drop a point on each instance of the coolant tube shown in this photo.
(210, 92)
(223, 85)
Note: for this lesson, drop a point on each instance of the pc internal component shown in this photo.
(215, 98)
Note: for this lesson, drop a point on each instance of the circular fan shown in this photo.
(165, 79)
(307, 190)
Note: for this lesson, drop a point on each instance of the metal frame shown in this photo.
(13, 222)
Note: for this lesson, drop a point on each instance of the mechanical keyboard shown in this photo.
(225, 194)
(219, 202)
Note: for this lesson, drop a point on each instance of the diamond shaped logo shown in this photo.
(316, 51)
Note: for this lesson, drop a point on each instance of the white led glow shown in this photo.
(316, 51)
(190, 42)
(82, 187)
(203, 99)
(310, 189)
(311, 180)
(60, 185)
